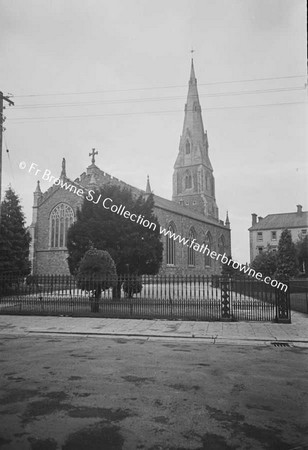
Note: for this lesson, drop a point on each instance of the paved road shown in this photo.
(98, 393)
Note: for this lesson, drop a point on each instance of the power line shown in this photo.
(26, 119)
(155, 99)
(158, 87)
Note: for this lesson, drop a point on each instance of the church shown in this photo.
(192, 213)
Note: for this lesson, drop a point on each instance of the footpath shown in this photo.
(253, 333)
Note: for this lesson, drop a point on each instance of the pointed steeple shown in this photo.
(37, 195)
(193, 179)
(63, 170)
(148, 190)
(38, 188)
(193, 78)
(148, 186)
(227, 222)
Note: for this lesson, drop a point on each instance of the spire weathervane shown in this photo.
(93, 153)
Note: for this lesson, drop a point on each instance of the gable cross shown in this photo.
(93, 153)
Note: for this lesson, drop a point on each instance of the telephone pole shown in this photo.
(2, 119)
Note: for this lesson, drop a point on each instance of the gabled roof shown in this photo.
(169, 205)
(282, 221)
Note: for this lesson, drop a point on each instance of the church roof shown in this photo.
(282, 221)
(169, 205)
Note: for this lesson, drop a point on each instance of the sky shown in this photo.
(114, 76)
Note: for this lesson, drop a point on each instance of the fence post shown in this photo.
(225, 287)
(283, 309)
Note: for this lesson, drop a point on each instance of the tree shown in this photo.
(286, 257)
(228, 271)
(14, 237)
(265, 263)
(134, 248)
(96, 273)
(302, 254)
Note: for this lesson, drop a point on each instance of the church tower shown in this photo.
(193, 179)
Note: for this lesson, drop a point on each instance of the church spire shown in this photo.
(193, 78)
(193, 179)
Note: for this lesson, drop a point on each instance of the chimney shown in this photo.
(254, 219)
(299, 209)
(260, 218)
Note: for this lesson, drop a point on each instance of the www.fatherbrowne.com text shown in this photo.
(122, 211)
(191, 243)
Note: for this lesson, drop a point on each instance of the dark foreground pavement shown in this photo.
(96, 393)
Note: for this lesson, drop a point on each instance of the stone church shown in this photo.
(192, 212)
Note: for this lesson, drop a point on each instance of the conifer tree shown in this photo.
(134, 248)
(286, 257)
(266, 263)
(14, 238)
(302, 254)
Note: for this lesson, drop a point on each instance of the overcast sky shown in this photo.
(114, 76)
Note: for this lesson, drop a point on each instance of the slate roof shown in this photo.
(169, 205)
(282, 221)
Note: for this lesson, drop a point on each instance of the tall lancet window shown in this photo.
(221, 245)
(170, 246)
(61, 218)
(208, 243)
(188, 180)
(191, 251)
(187, 147)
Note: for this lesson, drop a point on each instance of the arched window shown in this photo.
(187, 147)
(191, 251)
(221, 245)
(208, 243)
(170, 246)
(188, 180)
(61, 218)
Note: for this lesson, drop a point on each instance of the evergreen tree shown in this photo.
(286, 257)
(14, 238)
(134, 248)
(302, 254)
(96, 273)
(265, 263)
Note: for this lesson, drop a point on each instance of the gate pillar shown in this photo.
(283, 309)
(225, 288)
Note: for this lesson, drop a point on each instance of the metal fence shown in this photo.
(146, 297)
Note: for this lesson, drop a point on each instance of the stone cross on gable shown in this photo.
(93, 153)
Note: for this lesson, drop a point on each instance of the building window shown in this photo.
(188, 180)
(61, 218)
(191, 251)
(260, 249)
(221, 245)
(208, 244)
(304, 232)
(274, 235)
(260, 236)
(187, 147)
(170, 246)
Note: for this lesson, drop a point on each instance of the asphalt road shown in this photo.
(94, 393)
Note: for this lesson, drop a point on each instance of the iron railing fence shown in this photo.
(147, 296)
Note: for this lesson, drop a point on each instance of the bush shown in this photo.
(132, 286)
(97, 272)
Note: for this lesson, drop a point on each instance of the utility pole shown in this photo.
(2, 119)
